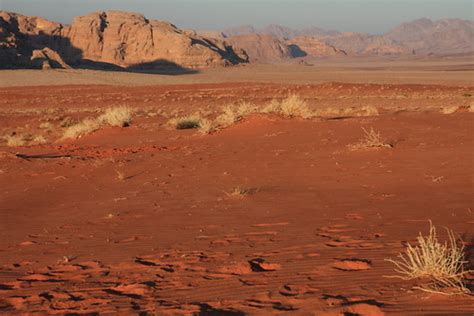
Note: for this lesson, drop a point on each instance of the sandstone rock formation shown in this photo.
(364, 44)
(262, 48)
(115, 39)
(47, 58)
(313, 47)
(130, 40)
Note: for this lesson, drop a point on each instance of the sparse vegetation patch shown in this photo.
(440, 264)
(372, 139)
(292, 106)
(117, 116)
(120, 116)
(240, 192)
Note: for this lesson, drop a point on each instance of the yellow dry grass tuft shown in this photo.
(15, 140)
(116, 116)
(194, 121)
(240, 192)
(80, 129)
(442, 264)
(120, 116)
(450, 109)
(367, 110)
(292, 106)
(372, 139)
(18, 140)
(234, 113)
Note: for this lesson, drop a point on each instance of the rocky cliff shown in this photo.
(313, 47)
(261, 48)
(112, 39)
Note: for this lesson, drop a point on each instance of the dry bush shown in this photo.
(120, 175)
(272, 107)
(117, 116)
(292, 106)
(39, 139)
(67, 122)
(372, 139)
(441, 264)
(239, 192)
(234, 113)
(195, 121)
(206, 126)
(15, 140)
(367, 110)
(228, 117)
(450, 109)
(80, 129)
(454, 109)
(46, 125)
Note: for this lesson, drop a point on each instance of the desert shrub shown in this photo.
(240, 192)
(441, 264)
(82, 128)
(15, 140)
(206, 126)
(234, 113)
(450, 109)
(46, 125)
(372, 139)
(116, 116)
(292, 106)
(39, 139)
(195, 121)
(367, 110)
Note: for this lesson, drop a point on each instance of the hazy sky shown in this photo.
(371, 16)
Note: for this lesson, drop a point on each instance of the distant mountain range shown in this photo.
(129, 41)
(420, 37)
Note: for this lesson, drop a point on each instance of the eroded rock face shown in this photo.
(121, 39)
(310, 46)
(363, 44)
(262, 48)
(47, 58)
(131, 40)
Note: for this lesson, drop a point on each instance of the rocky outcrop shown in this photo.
(313, 47)
(364, 44)
(119, 39)
(130, 40)
(47, 58)
(261, 48)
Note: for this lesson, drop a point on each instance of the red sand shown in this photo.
(311, 237)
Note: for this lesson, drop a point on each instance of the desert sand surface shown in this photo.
(450, 70)
(270, 215)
